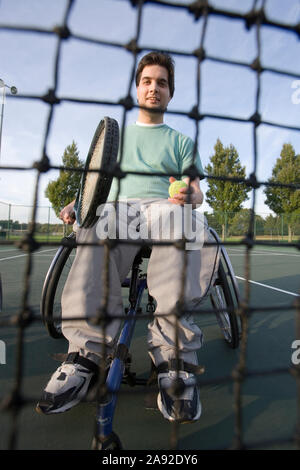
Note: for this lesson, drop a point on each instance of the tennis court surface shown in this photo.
(269, 398)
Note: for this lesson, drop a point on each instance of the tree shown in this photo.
(225, 197)
(273, 226)
(285, 200)
(240, 223)
(62, 191)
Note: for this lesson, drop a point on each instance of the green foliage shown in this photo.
(241, 221)
(286, 170)
(62, 191)
(10, 224)
(225, 197)
(273, 225)
(285, 200)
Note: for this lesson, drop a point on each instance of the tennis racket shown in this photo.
(95, 185)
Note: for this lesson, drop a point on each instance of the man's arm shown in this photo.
(196, 195)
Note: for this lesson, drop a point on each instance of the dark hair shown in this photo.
(157, 58)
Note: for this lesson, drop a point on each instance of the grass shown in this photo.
(40, 237)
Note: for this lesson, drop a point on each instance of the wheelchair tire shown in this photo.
(51, 289)
(222, 299)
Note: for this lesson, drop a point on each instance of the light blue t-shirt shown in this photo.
(152, 149)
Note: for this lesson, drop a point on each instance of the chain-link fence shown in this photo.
(271, 227)
(15, 220)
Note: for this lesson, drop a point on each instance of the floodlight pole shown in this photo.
(13, 91)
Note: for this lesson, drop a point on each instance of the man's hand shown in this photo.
(67, 214)
(192, 195)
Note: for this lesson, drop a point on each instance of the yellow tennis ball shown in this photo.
(175, 187)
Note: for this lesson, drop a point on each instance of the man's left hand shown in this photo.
(191, 194)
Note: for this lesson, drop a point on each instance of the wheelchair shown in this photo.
(224, 296)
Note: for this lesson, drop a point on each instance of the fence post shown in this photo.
(48, 224)
(8, 223)
(2, 352)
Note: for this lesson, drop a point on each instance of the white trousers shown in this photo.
(84, 288)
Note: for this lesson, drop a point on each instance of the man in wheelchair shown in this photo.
(149, 146)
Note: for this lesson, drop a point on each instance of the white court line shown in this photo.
(5, 251)
(269, 287)
(265, 252)
(20, 256)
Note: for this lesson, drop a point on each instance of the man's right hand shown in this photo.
(67, 214)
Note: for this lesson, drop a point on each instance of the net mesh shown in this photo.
(201, 10)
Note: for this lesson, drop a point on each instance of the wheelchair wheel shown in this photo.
(222, 300)
(53, 287)
(225, 297)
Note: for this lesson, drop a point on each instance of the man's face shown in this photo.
(153, 90)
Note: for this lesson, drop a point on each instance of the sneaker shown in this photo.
(68, 385)
(178, 399)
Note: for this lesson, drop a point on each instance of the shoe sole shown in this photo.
(170, 418)
(59, 410)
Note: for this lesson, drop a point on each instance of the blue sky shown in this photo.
(93, 71)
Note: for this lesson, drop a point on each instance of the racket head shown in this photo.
(95, 185)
